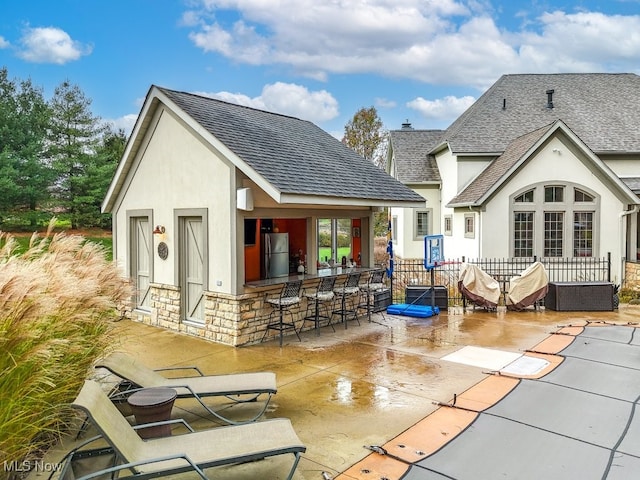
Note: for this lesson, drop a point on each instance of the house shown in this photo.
(544, 165)
(201, 183)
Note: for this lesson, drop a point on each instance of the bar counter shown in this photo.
(324, 272)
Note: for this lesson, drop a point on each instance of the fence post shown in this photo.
(608, 266)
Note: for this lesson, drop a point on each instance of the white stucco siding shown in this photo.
(177, 171)
(406, 245)
(549, 167)
(629, 167)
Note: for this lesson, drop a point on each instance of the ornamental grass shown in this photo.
(58, 301)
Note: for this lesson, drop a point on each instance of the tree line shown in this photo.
(56, 157)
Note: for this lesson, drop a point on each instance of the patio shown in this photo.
(355, 387)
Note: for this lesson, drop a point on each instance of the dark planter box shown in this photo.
(381, 300)
(579, 296)
(421, 295)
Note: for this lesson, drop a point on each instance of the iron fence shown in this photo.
(411, 272)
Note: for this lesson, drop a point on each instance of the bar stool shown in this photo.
(348, 290)
(374, 284)
(288, 297)
(320, 297)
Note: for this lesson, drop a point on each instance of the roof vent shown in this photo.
(407, 125)
(550, 98)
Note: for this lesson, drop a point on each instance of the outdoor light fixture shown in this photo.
(159, 230)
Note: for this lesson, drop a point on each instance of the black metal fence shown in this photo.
(411, 272)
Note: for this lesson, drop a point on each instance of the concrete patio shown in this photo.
(354, 387)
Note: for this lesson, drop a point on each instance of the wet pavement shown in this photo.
(354, 387)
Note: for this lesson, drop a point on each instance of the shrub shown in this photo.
(57, 302)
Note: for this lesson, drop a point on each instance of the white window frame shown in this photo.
(568, 206)
(416, 213)
(469, 221)
(447, 225)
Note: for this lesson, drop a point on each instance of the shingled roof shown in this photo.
(601, 108)
(411, 155)
(293, 155)
(495, 173)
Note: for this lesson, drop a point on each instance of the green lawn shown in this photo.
(106, 242)
(342, 252)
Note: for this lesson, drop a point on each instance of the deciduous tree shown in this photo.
(365, 134)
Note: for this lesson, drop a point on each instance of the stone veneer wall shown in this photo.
(229, 319)
(632, 275)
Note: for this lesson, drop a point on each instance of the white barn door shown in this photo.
(141, 259)
(192, 269)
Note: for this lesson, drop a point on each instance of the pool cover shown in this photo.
(578, 421)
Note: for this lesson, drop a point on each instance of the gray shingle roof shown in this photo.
(497, 169)
(601, 108)
(293, 155)
(411, 148)
(633, 183)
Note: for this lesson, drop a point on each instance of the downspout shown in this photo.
(623, 251)
(478, 229)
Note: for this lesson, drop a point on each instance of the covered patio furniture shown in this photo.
(237, 387)
(478, 286)
(527, 288)
(190, 452)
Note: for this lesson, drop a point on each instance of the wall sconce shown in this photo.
(159, 230)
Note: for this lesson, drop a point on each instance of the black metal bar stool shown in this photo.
(289, 296)
(349, 290)
(321, 297)
(373, 285)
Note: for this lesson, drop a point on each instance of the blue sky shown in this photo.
(424, 61)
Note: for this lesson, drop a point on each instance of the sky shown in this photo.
(421, 61)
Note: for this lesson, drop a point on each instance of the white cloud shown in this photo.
(126, 123)
(444, 42)
(385, 103)
(584, 41)
(3, 43)
(287, 99)
(444, 110)
(50, 45)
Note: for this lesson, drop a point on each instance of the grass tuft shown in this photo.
(58, 301)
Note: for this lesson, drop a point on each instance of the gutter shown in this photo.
(622, 214)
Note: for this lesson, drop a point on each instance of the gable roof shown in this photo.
(411, 155)
(515, 155)
(601, 108)
(289, 157)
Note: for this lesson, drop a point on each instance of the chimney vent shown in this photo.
(407, 125)
(550, 98)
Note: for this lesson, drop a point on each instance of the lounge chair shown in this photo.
(238, 387)
(196, 451)
(528, 288)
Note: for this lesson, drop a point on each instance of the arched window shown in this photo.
(554, 220)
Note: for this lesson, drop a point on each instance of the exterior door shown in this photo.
(192, 268)
(141, 260)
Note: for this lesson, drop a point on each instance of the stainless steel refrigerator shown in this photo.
(276, 255)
